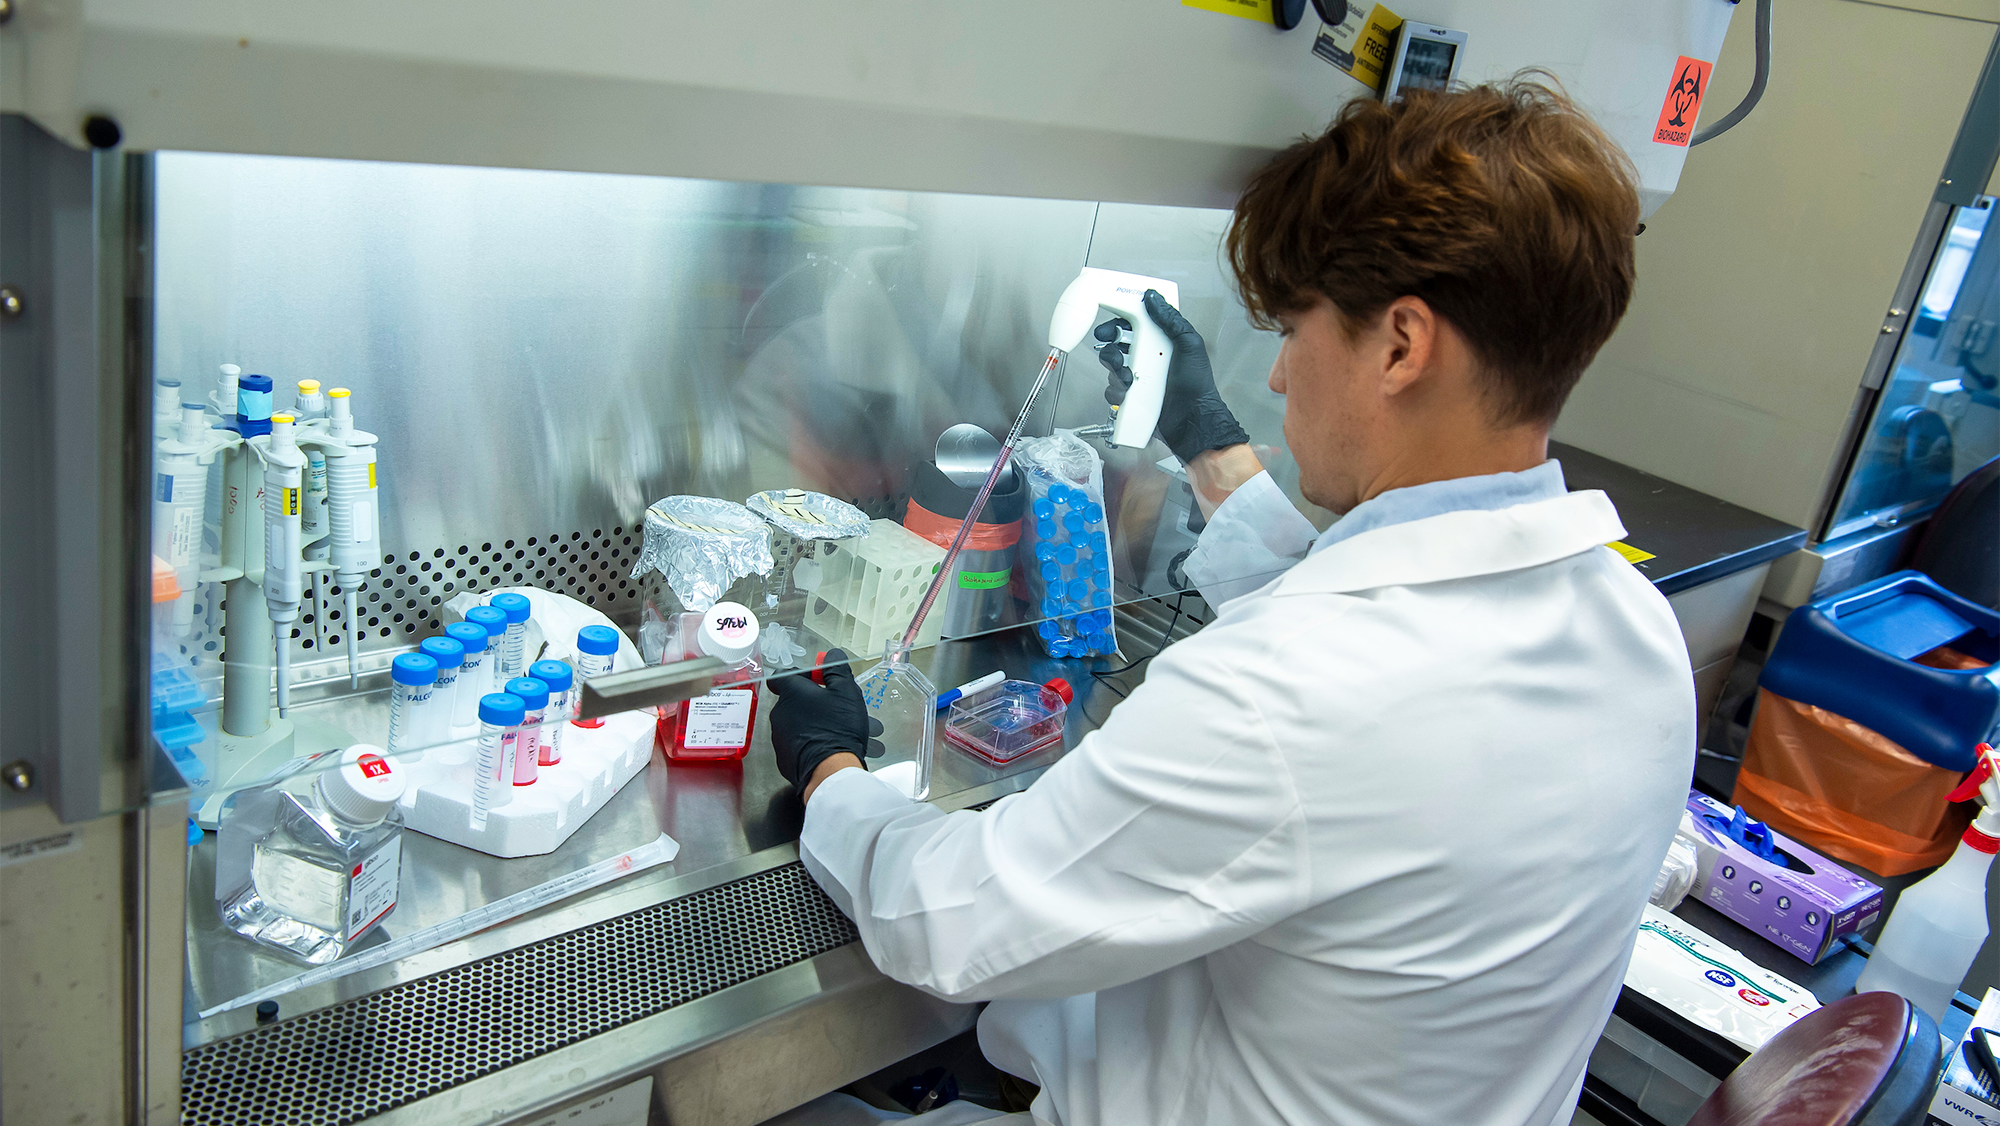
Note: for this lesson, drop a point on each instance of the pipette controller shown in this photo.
(1123, 294)
(1075, 315)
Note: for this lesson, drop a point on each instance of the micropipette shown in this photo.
(351, 514)
(657, 851)
(283, 587)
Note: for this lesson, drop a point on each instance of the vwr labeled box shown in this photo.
(1782, 890)
(1964, 1097)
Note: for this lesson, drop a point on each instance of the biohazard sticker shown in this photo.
(1678, 112)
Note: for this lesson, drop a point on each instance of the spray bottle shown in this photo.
(1939, 923)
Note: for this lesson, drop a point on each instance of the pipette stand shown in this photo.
(250, 741)
(596, 763)
(245, 760)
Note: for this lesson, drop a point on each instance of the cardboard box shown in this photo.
(1963, 1097)
(1803, 906)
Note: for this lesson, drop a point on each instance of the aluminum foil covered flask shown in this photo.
(701, 548)
(802, 520)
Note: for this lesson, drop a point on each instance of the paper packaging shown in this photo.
(1963, 1097)
(1804, 912)
(1710, 984)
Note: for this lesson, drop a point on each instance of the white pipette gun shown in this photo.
(1077, 313)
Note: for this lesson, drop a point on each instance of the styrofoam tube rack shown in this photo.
(596, 763)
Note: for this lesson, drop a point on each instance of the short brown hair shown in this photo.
(1503, 207)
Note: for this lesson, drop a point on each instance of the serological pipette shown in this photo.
(979, 503)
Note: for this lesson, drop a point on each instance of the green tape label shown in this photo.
(984, 580)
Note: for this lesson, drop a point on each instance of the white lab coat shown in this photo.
(1370, 848)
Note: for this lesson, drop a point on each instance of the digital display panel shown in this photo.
(1427, 65)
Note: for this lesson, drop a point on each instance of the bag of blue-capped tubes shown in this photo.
(1066, 546)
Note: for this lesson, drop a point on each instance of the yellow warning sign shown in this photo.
(1259, 10)
(1631, 554)
(1359, 44)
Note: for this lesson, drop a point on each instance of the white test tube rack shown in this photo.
(527, 820)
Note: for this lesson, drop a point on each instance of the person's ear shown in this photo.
(1409, 327)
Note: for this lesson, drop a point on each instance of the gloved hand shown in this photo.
(1193, 417)
(811, 723)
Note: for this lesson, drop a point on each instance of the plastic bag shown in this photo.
(1677, 872)
(1846, 790)
(1066, 546)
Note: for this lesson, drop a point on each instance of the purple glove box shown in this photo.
(1803, 906)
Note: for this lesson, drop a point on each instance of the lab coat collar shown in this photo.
(1459, 545)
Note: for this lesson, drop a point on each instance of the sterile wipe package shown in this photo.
(1710, 984)
(1796, 898)
(1964, 1097)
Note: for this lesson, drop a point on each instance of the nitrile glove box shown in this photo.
(1964, 1097)
(1804, 906)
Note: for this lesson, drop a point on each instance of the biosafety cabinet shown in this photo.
(332, 335)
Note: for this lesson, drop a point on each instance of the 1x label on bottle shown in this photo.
(719, 719)
(371, 887)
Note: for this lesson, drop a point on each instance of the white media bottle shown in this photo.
(1940, 922)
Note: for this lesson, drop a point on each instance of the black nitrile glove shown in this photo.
(811, 724)
(1193, 417)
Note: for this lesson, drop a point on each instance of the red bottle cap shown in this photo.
(1061, 688)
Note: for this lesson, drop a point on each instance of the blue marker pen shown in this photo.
(970, 688)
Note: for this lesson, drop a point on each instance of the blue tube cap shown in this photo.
(555, 674)
(1079, 590)
(533, 693)
(470, 636)
(1045, 551)
(413, 668)
(448, 653)
(1066, 555)
(1051, 571)
(1045, 529)
(597, 640)
(515, 606)
(487, 618)
(502, 709)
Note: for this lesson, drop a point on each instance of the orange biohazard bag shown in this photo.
(1846, 790)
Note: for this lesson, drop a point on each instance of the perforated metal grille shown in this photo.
(363, 1057)
(401, 602)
